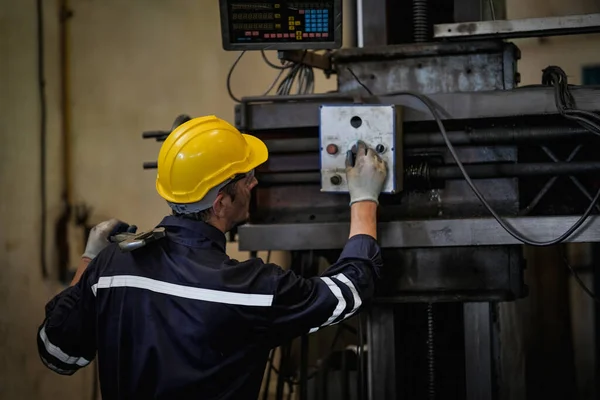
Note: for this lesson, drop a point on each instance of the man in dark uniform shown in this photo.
(178, 318)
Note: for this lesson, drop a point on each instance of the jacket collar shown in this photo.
(193, 233)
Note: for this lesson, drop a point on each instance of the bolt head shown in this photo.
(336, 180)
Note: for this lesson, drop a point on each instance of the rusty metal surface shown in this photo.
(520, 28)
(406, 51)
(420, 68)
(516, 103)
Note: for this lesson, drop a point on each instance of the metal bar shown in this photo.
(452, 106)
(372, 26)
(551, 182)
(520, 28)
(381, 355)
(490, 136)
(478, 351)
(150, 165)
(158, 135)
(573, 179)
(539, 196)
(494, 170)
(452, 172)
(411, 234)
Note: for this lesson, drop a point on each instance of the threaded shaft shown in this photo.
(420, 21)
(430, 353)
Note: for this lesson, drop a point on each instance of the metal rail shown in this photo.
(520, 28)
(415, 234)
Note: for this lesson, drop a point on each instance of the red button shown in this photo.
(318, 35)
(332, 149)
(301, 11)
(311, 35)
(326, 35)
(266, 36)
(248, 33)
(279, 35)
(255, 33)
(286, 35)
(305, 35)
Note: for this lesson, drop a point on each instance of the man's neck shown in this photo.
(219, 224)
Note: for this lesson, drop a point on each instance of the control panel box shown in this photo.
(341, 126)
(281, 24)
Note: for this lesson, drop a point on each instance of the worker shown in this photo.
(178, 318)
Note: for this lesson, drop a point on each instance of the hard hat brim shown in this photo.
(259, 154)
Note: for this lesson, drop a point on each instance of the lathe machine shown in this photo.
(432, 85)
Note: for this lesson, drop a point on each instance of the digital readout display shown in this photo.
(280, 21)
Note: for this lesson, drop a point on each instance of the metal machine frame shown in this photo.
(438, 236)
(481, 99)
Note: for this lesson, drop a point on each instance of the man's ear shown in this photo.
(218, 206)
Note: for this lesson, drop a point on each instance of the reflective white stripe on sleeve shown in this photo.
(55, 351)
(56, 369)
(188, 292)
(357, 300)
(341, 304)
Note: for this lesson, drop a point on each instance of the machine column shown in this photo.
(478, 351)
(381, 353)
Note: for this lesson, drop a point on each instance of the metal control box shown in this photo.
(341, 126)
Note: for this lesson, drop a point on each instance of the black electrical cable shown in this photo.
(565, 102)
(230, 73)
(42, 93)
(270, 64)
(509, 229)
(576, 276)
(305, 83)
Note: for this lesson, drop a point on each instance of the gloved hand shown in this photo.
(366, 176)
(99, 236)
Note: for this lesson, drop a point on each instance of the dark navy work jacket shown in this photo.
(179, 319)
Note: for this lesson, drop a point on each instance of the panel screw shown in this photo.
(336, 180)
(380, 148)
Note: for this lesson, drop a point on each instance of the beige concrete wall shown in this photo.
(23, 293)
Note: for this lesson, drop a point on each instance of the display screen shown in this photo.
(266, 22)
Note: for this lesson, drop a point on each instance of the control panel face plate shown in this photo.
(280, 25)
(379, 126)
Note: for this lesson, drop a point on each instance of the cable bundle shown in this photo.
(306, 80)
(304, 74)
(565, 102)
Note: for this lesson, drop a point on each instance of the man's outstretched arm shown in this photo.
(303, 305)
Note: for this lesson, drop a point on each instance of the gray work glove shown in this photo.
(98, 238)
(367, 176)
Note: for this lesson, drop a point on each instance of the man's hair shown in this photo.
(204, 215)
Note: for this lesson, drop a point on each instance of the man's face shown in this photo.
(238, 208)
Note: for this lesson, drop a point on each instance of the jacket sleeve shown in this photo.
(67, 337)
(305, 305)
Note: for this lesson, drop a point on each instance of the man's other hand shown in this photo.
(367, 176)
(99, 235)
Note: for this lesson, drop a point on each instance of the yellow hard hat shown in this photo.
(202, 154)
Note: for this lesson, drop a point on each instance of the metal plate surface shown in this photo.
(520, 28)
(267, 114)
(412, 234)
(379, 126)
